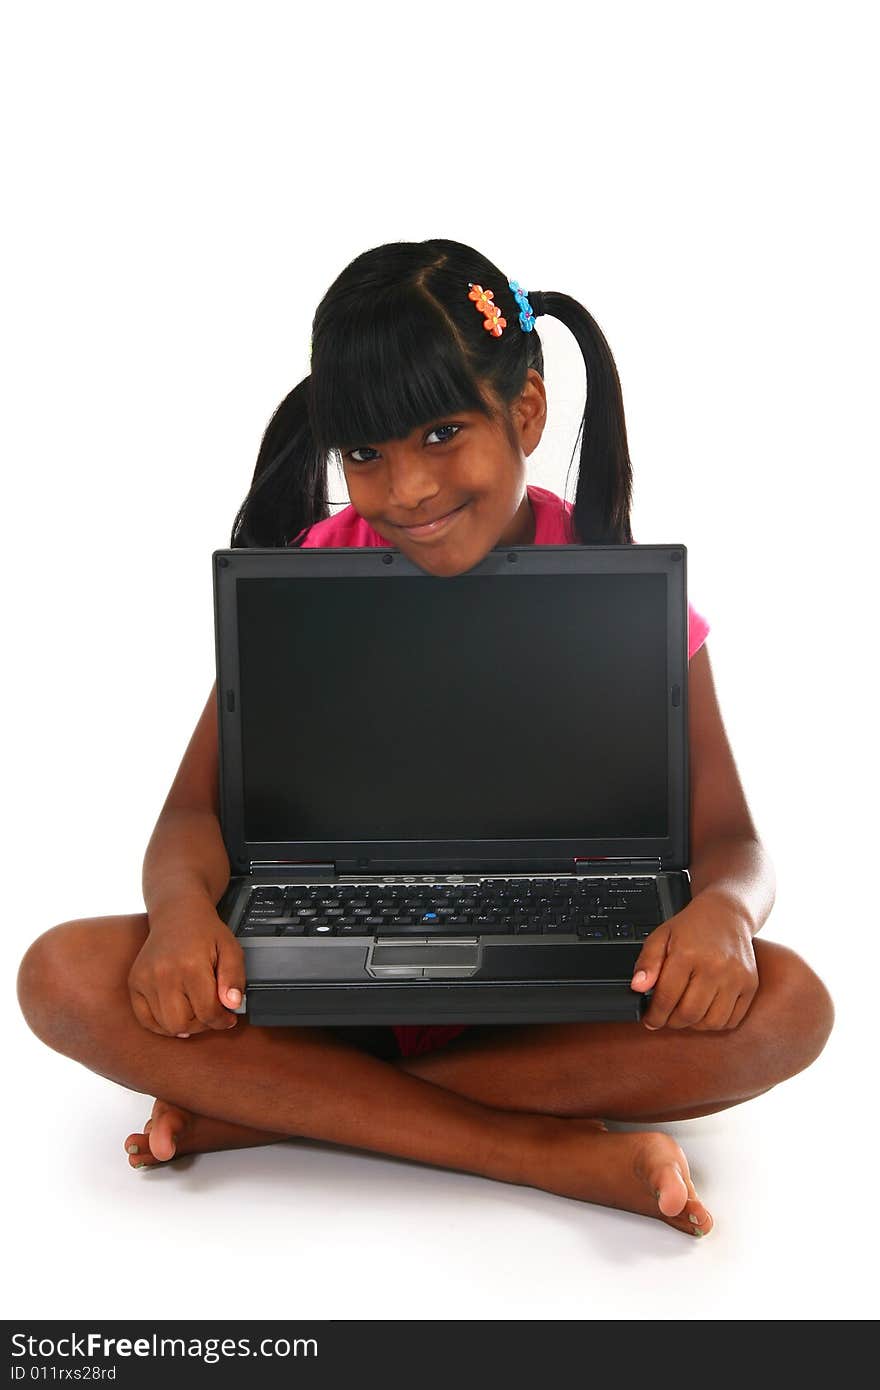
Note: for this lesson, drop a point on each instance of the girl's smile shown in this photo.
(430, 529)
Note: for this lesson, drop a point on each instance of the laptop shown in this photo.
(451, 800)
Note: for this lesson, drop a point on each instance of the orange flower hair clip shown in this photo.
(493, 322)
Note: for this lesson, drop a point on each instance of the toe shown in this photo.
(137, 1146)
(168, 1124)
(161, 1140)
(697, 1214)
(670, 1189)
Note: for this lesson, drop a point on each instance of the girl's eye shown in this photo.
(366, 449)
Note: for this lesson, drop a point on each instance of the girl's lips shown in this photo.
(433, 528)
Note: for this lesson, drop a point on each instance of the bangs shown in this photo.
(383, 374)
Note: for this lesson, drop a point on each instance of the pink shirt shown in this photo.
(348, 528)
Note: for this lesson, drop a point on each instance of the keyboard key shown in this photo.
(266, 895)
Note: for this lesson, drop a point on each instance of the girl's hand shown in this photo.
(188, 974)
(701, 966)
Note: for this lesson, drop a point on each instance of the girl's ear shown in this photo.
(530, 412)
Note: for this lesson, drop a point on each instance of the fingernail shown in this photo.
(183, 1035)
(132, 1149)
(657, 1193)
(139, 1165)
(695, 1219)
(639, 977)
(698, 1232)
(234, 995)
(651, 1028)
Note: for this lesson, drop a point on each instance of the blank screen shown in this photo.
(477, 707)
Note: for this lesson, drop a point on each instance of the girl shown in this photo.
(427, 378)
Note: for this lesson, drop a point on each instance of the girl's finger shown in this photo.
(668, 990)
(203, 1002)
(718, 1013)
(740, 1009)
(174, 1013)
(650, 962)
(143, 1013)
(694, 1004)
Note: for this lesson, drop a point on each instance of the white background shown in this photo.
(182, 182)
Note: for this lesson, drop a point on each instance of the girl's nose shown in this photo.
(411, 485)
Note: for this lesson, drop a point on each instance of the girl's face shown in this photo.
(461, 468)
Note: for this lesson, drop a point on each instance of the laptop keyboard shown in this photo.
(593, 909)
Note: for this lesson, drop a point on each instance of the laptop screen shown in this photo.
(462, 708)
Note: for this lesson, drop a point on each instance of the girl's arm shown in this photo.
(700, 963)
(190, 972)
(727, 859)
(186, 857)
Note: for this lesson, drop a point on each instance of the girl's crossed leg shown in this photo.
(522, 1104)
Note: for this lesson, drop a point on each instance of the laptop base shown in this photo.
(315, 1005)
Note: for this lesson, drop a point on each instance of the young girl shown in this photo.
(427, 378)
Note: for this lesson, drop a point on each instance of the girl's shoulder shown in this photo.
(344, 528)
(550, 512)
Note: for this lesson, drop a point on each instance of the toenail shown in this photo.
(132, 1149)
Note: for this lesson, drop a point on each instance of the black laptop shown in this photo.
(459, 800)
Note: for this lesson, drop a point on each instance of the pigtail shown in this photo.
(603, 494)
(289, 487)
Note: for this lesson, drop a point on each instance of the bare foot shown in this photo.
(646, 1173)
(172, 1131)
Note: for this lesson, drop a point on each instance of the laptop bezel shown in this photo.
(671, 852)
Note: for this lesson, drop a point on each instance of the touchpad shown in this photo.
(432, 960)
(434, 953)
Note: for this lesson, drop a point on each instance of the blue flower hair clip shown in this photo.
(527, 313)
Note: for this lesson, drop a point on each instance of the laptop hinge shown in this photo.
(295, 868)
(603, 865)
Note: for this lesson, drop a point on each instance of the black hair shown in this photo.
(397, 342)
